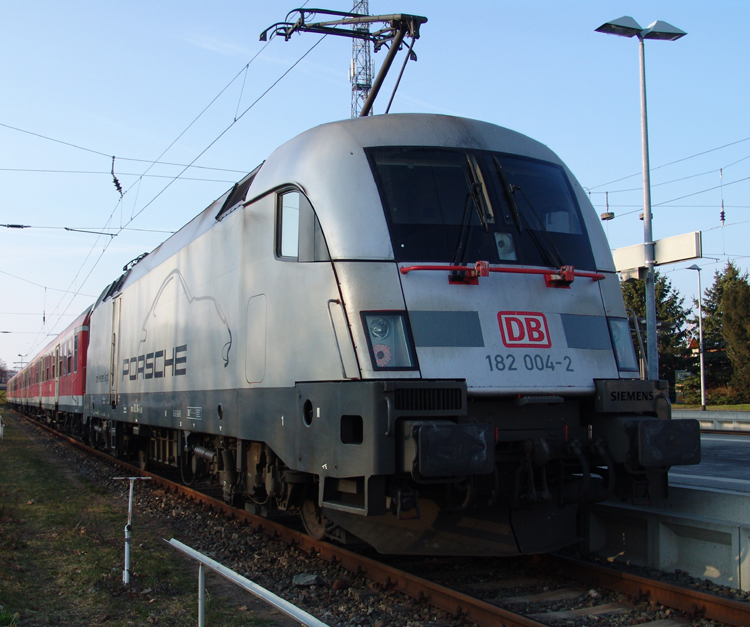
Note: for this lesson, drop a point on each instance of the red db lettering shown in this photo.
(514, 327)
(534, 330)
(524, 329)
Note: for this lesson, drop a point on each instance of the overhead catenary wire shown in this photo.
(703, 191)
(83, 229)
(206, 108)
(104, 154)
(99, 172)
(25, 313)
(665, 202)
(684, 178)
(698, 154)
(175, 178)
(187, 128)
(137, 182)
(45, 287)
(218, 137)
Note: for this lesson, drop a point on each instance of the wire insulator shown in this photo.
(118, 187)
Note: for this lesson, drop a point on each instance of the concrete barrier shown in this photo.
(700, 531)
(716, 420)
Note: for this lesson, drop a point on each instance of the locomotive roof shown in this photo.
(329, 164)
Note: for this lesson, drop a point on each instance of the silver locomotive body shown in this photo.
(406, 327)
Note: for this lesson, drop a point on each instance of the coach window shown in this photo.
(70, 356)
(75, 353)
(298, 234)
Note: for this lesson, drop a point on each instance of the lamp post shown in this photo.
(628, 27)
(700, 335)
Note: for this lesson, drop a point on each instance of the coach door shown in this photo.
(114, 356)
(58, 363)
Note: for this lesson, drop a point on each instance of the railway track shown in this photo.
(724, 432)
(464, 600)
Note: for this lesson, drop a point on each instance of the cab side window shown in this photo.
(289, 225)
(298, 233)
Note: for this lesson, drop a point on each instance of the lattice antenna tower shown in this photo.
(360, 72)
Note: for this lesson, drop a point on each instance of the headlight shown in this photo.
(389, 341)
(379, 328)
(622, 343)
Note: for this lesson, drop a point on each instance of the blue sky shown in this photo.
(127, 79)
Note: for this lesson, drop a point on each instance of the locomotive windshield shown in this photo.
(461, 206)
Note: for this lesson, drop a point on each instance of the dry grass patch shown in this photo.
(61, 552)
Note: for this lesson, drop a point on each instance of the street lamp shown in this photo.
(628, 27)
(700, 335)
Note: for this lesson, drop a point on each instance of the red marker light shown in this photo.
(382, 354)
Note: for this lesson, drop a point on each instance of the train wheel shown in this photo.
(313, 520)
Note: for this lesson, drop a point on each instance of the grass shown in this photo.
(740, 407)
(61, 552)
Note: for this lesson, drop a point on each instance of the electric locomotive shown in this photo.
(407, 328)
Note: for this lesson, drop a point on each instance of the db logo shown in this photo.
(524, 329)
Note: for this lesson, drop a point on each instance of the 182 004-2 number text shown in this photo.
(526, 361)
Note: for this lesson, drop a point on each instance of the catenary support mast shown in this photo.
(360, 72)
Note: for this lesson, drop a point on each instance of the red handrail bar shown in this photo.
(481, 268)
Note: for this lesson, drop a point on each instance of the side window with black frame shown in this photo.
(299, 236)
(288, 229)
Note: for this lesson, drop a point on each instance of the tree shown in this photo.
(4, 372)
(736, 329)
(672, 339)
(717, 366)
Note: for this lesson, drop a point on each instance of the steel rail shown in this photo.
(694, 602)
(724, 432)
(456, 603)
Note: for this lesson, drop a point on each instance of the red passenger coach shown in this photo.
(54, 381)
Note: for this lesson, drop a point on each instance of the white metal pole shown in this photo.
(126, 570)
(700, 345)
(269, 597)
(129, 527)
(648, 239)
(201, 595)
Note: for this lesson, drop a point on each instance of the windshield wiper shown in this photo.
(475, 195)
(476, 190)
(508, 190)
(550, 254)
